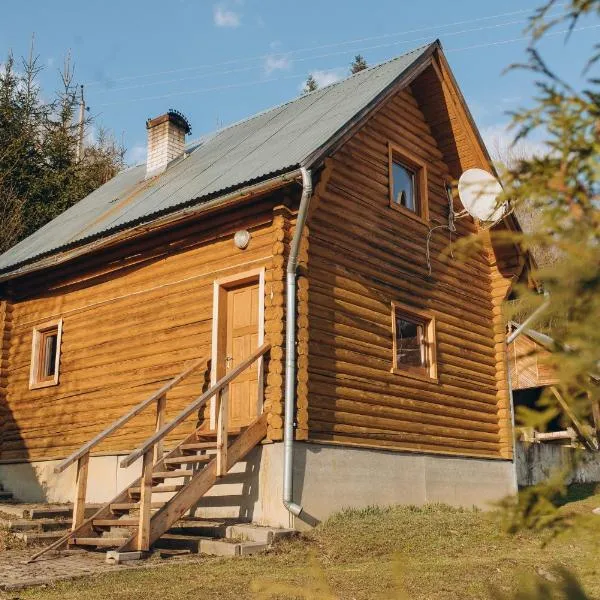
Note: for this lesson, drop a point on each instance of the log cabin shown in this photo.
(266, 323)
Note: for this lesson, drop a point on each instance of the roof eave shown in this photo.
(232, 197)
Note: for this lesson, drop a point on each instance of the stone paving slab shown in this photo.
(61, 566)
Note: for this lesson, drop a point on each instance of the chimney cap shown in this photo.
(171, 115)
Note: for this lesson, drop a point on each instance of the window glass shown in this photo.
(403, 181)
(45, 354)
(49, 355)
(410, 343)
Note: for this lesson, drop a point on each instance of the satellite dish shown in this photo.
(479, 191)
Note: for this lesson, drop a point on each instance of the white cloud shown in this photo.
(225, 17)
(276, 63)
(499, 139)
(324, 78)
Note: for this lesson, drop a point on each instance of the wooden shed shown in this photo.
(267, 283)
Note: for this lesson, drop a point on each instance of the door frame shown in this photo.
(219, 328)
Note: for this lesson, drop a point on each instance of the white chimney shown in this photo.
(166, 140)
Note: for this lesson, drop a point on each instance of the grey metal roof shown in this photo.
(272, 142)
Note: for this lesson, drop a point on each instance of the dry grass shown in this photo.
(402, 552)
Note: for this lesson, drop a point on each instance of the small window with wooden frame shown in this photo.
(414, 343)
(408, 183)
(45, 354)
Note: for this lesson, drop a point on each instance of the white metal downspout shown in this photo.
(290, 347)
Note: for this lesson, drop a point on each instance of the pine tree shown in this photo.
(39, 174)
(311, 85)
(359, 64)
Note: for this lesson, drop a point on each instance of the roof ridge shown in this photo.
(217, 132)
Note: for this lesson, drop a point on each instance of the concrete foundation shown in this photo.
(37, 482)
(537, 462)
(326, 479)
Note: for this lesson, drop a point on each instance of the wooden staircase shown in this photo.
(171, 484)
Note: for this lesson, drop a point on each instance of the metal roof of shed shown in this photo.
(272, 142)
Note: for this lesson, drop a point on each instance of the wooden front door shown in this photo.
(242, 339)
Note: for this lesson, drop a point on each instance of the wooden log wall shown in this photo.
(5, 334)
(362, 255)
(131, 320)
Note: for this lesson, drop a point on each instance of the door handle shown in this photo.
(228, 362)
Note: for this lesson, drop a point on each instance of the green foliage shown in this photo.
(562, 187)
(40, 176)
(537, 508)
(358, 64)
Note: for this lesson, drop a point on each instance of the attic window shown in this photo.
(45, 354)
(408, 183)
(414, 343)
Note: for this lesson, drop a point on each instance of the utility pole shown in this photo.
(79, 151)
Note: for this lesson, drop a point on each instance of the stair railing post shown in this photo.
(143, 533)
(222, 429)
(81, 479)
(161, 405)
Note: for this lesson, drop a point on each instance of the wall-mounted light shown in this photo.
(241, 239)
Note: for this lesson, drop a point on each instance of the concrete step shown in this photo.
(176, 541)
(209, 529)
(38, 525)
(229, 548)
(40, 537)
(23, 510)
(256, 533)
(57, 512)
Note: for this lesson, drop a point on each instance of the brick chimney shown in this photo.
(166, 140)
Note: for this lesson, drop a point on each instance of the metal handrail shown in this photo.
(127, 417)
(194, 406)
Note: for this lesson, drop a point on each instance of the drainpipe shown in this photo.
(290, 347)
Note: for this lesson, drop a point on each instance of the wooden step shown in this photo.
(188, 460)
(172, 474)
(126, 506)
(107, 542)
(157, 489)
(115, 522)
(213, 434)
(199, 446)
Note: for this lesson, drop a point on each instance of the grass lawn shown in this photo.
(400, 552)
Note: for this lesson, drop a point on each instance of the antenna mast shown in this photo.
(80, 130)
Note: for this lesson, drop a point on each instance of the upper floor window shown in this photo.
(414, 342)
(408, 183)
(45, 354)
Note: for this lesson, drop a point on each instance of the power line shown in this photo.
(301, 77)
(312, 48)
(315, 57)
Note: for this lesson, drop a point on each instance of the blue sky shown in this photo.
(218, 62)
